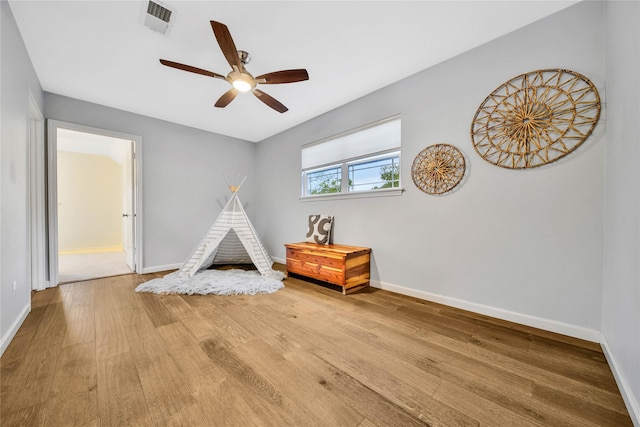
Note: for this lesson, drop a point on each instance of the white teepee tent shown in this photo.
(230, 240)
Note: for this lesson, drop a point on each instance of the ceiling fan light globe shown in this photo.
(241, 81)
(242, 85)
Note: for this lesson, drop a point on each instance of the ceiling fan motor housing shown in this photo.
(245, 58)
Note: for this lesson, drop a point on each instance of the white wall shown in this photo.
(522, 245)
(183, 169)
(89, 203)
(17, 78)
(621, 293)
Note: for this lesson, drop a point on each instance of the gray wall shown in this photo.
(17, 78)
(522, 245)
(621, 293)
(183, 175)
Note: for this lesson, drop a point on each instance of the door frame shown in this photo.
(52, 133)
(37, 198)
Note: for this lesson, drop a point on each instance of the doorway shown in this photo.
(93, 203)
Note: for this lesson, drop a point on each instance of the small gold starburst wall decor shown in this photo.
(535, 118)
(438, 168)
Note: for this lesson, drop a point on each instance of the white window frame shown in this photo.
(344, 163)
(305, 181)
(381, 156)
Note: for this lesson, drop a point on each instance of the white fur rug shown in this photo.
(216, 282)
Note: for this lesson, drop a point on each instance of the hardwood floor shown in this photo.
(97, 353)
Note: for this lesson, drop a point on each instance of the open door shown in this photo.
(93, 139)
(128, 207)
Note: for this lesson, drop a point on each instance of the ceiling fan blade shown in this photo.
(284, 76)
(270, 101)
(226, 43)
(191, 69)
(226, 98)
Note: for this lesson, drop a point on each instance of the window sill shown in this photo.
(353, 195)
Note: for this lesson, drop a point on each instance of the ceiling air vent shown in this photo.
(157, 17)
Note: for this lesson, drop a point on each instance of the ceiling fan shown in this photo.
(239, 78)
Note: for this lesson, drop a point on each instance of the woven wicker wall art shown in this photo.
(535, 118)
(438, 169)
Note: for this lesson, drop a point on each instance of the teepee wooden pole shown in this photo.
(233, 188)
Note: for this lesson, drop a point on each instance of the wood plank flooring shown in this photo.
(96, 353)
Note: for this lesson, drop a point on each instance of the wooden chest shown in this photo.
(342, 265)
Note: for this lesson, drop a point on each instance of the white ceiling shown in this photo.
(100, 51)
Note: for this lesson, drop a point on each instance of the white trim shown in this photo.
(631, 402)
(52, 126)
(52, 201)
(37, 198)
(383, 192)
(11, 332)
(139, 246)
(159, 268)
(499, 313)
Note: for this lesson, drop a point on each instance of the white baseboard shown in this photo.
(499, 313)
(157, 268)
(511, 316)
(6, 339)
(280, 260)
(629, 398)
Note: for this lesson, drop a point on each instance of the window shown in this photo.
(363, 161)
(374, 174)
(324, 181)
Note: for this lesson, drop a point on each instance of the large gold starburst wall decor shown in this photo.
(535, 118)
(438, 169)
